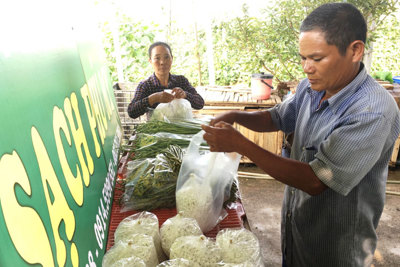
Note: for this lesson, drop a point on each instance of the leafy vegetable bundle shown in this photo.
(157, 150)
(149, 145)
(151, 182)
(181, 127)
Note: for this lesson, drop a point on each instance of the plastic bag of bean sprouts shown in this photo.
(204, 183)
(201, 250)
(140, 223)
(244, 264)
(239, 246)
(139, 246)
(178, 263)
(175, 227)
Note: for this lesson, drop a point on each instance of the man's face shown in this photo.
(325, 67)
(161, 60)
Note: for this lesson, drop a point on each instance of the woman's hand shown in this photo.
(160, 97)
(178, 92)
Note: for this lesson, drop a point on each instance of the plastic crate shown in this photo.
(396, 79)
(122, 99)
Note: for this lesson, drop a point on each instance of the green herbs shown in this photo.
(181, 127)
(148, 146)
(151, 182)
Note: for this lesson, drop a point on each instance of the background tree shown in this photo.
(269, 43)
(245, 44)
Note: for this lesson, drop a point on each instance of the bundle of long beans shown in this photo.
(181, 127)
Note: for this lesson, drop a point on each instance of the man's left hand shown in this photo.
(222, 137)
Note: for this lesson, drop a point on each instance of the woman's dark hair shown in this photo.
(157, 44)
(341, 23)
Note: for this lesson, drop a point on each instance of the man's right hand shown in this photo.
(228, 117)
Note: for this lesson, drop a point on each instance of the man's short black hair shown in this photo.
(341, 23)
(157, 44)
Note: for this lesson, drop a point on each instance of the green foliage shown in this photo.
(134, 40)
(183, 44)
(270, 44)
(386, 56)
(245, 45)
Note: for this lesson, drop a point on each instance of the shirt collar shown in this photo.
(335, 101)
(157, 83)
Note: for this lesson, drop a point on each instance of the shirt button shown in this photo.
(292, 191)
(289, 214)
(303, 148)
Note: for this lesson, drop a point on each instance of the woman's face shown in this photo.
(161, 60)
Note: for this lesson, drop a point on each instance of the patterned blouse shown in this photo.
(140, 103)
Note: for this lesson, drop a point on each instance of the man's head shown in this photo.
(341, 23)
(331, 46)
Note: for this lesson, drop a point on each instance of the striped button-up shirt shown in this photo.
(348, 141)
(151, 85)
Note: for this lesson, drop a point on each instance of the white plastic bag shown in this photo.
(140, 246)
(239, 246)
(200, 250)
(175, 227)
(177, 263)
(202, 183)
(140, 223)
(176, 110)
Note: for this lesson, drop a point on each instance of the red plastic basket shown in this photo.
(233, 220)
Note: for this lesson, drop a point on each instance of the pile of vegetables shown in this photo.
(200, 250)
(195, 200)
(150, 183)
(239, 246)
(149, 145)
(139, 241)
(181, 127)
(139, 249)
(156, 150)
(176, 227)
(140, 223)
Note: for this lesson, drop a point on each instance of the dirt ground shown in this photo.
(262, 201)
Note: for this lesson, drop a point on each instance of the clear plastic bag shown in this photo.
(175, 227)
(150, 183)
(139, 246)
(140, 223)
(202, 183)
(149, 145)
(201, 250)
(239, 246)
(176, 110)
(178, 263)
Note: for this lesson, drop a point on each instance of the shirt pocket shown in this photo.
(308, 154)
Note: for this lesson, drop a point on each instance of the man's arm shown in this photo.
(288, 171)
(259, 121)
(224, 138)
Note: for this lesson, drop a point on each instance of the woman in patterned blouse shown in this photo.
(151, 92)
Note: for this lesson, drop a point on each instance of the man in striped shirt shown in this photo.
(345, 126)
(151, 91)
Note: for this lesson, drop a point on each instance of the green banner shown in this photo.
(60, 136)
